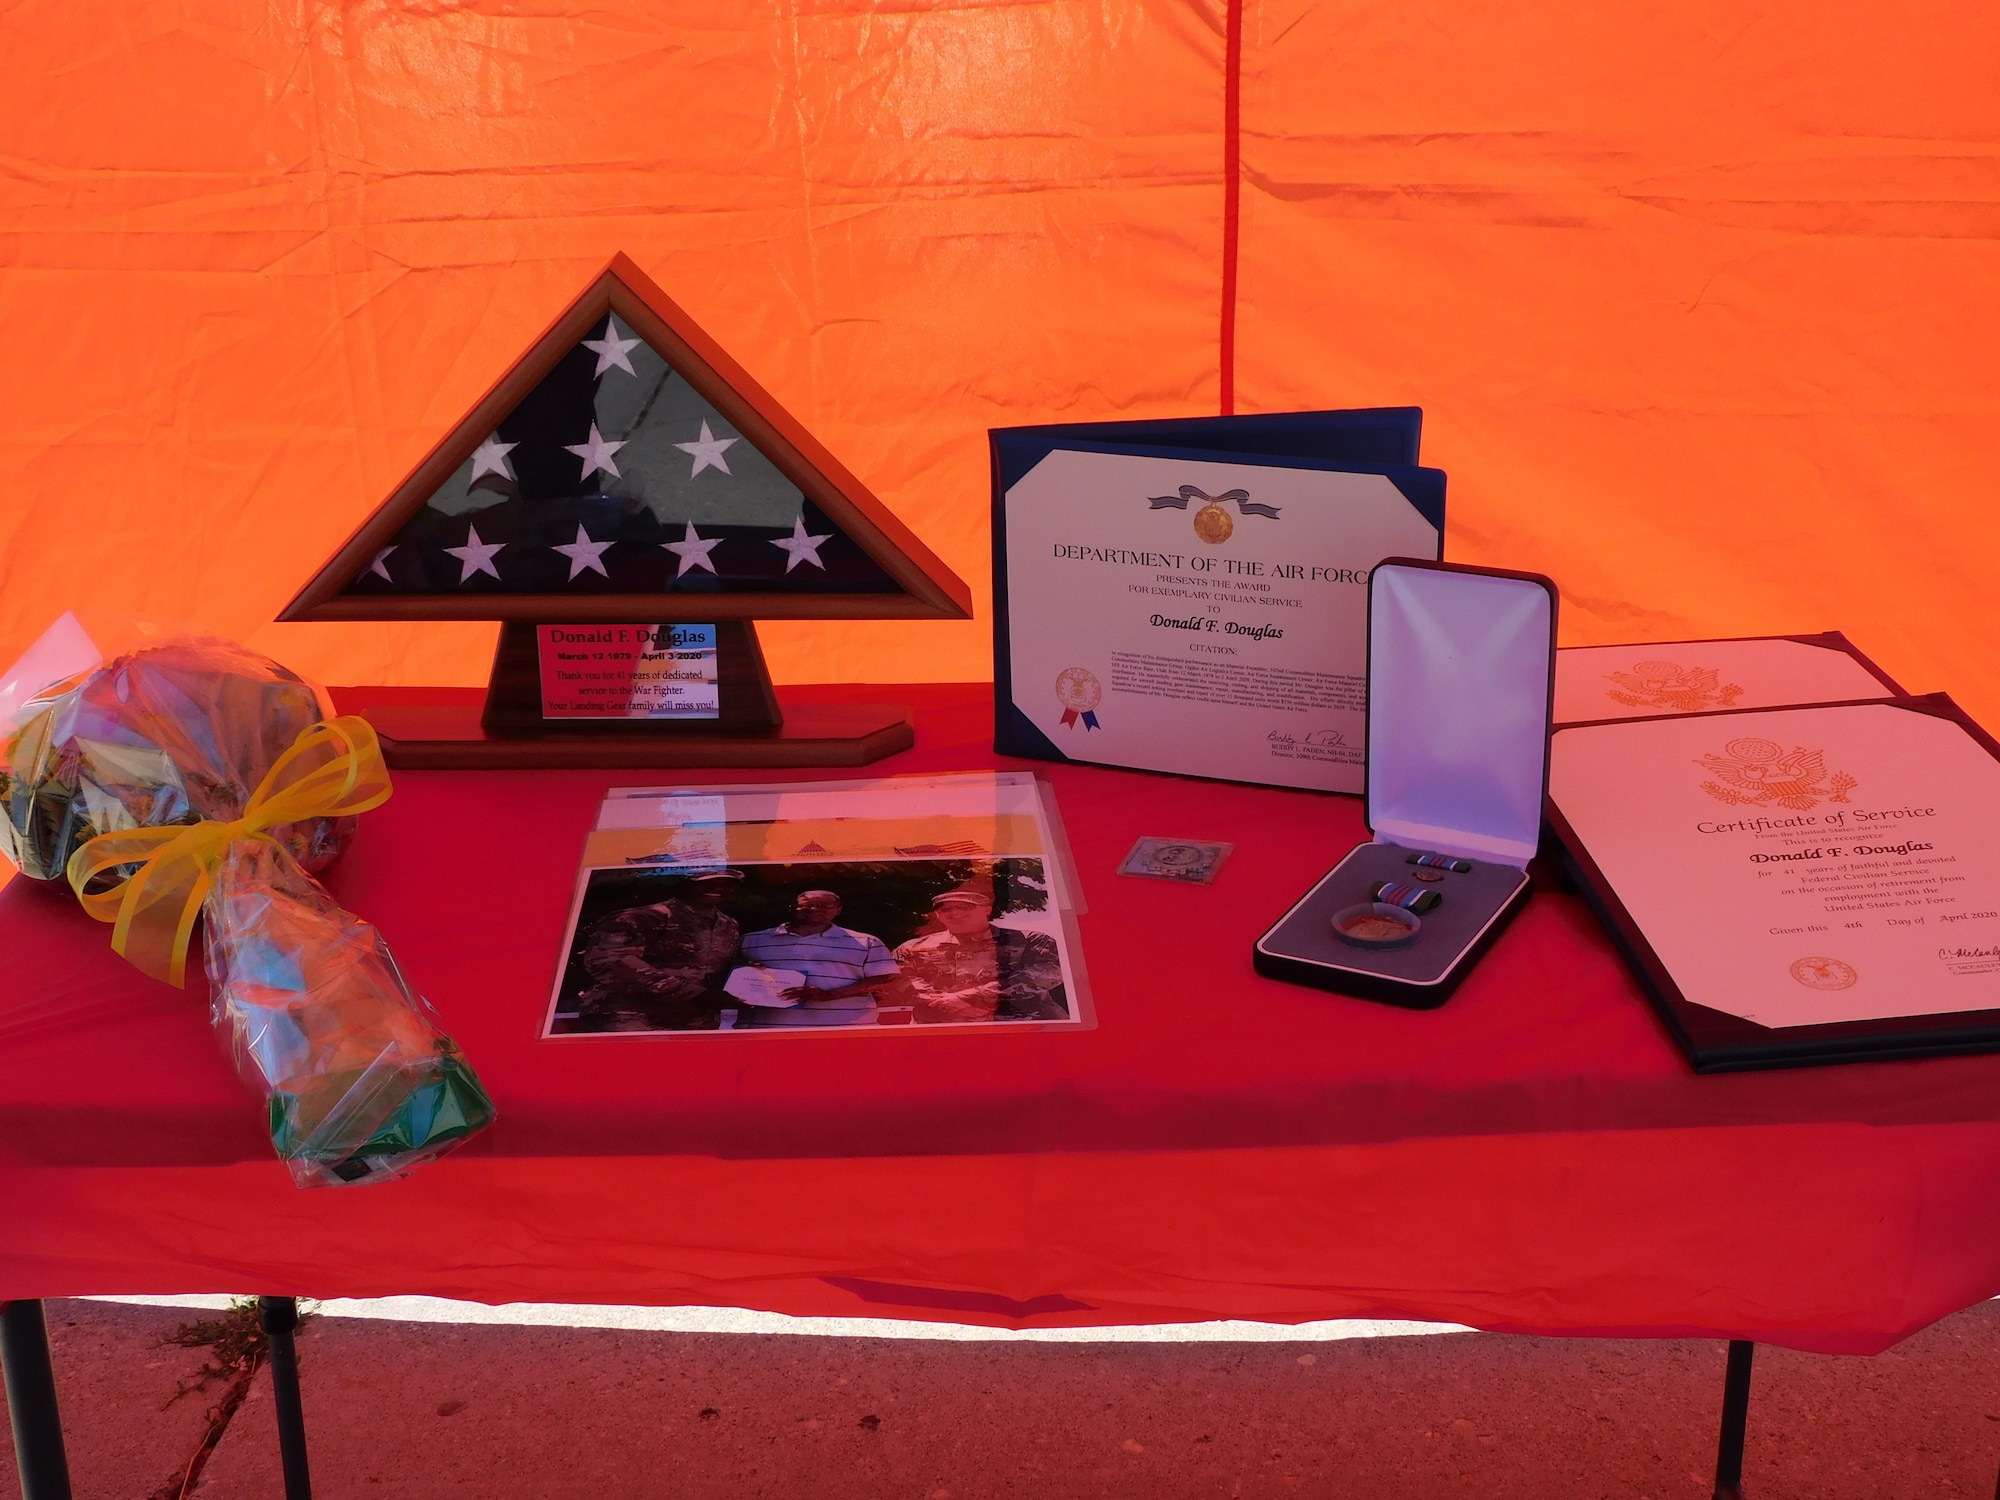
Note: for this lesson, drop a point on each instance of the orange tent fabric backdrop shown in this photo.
(1699, 299)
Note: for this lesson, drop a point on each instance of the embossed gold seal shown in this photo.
(1759, 772)
(1824, 973)
(1212, 524)
(1078, 689)
(1669, 685)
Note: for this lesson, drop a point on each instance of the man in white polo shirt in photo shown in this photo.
(842, 969)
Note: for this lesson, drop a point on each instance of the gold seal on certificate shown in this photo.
(1760, 773)
(1079, 688)
(1824, 973)
(1239, 652)
(1672, 688)
(1079, 691)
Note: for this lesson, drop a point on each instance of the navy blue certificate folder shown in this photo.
(1374, 441)
(1362, 438)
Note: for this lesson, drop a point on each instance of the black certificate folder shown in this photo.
(1460, 667)
(1796, 885)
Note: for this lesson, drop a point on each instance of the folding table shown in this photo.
(1533, 1157)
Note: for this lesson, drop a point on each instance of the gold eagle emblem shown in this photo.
(1669, 685)
(1761, 773)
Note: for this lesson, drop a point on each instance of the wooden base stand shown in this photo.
(749, 731)
(426, 736)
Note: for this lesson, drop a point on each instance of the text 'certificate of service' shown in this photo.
(1199, 616)
(1799, 866)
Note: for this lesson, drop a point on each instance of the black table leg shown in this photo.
(1735, 1419)
(280, 1317)
(31, 1402)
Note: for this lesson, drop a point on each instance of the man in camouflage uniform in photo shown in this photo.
(974, 971)
(660, 967)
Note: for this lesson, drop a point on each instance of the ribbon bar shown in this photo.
(1414, 898)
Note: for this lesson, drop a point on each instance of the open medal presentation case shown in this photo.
(1461, 672)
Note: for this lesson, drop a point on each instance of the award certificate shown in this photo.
(1798, 867)
(1700, 677)
(1205, 617)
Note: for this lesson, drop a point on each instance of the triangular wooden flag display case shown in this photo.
(627, 500)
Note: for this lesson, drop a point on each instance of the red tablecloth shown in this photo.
(1534, 1156)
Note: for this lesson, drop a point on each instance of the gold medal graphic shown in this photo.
(1212, 524)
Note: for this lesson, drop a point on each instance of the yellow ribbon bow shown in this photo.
(332, 769)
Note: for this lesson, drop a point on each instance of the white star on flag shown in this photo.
(490, 457)
(476, 556)
(610, 350)
(583, 553)
(707, 451)
(380, 558)
(800, 546)
(693, 551)
(596, 454)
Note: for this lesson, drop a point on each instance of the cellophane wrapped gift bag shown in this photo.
(196, 776)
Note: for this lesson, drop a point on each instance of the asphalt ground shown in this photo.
(700, 1404)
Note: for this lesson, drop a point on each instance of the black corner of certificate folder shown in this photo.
(1385, 435)
(1717, 1041)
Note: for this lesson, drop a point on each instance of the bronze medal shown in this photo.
(1374, 929)
(1377, 925)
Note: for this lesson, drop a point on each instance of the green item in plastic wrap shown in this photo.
(363, 1083)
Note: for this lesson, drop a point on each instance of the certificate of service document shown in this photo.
(1801, 866)
(1185, 613)
(1701, 677)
